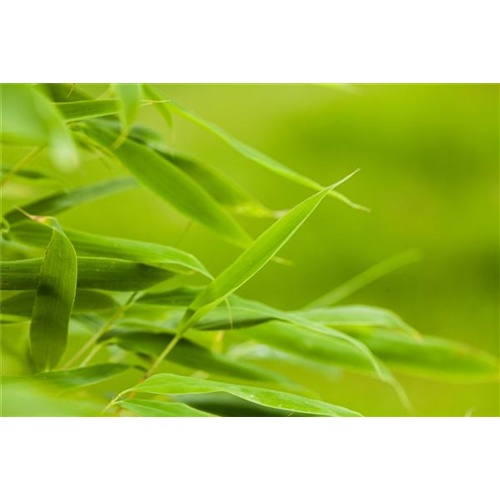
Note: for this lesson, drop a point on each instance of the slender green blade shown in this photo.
(255, 155)
(159, 104)
(169, 384)
(264, 248)
(222, 188)
(83, 110)
(21, 304)
(93, 272)
(152, 408)
(129, 95)
(88, 244)
(29, 118)
(54, 298)
(67, 380)
(173, 185)
(191, 355)
(64, 200)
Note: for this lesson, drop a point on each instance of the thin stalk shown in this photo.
(20, 164)
(164, 354)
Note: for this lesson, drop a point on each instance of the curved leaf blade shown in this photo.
(152, 408)
(84, 110)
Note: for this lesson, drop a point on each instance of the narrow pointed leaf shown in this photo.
(54, 298)
(129, 95)
(169, 384)
(88, 244)
(264, 248)
(93, 272)
(171, 184)
(152, 408)
(255, 155)
(84, 110)
(159, 104)
(64, 200)
(67, 380)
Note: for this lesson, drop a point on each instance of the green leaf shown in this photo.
(264, 248)
(222, 188)
(191, 355)
(25, 176)
(255, 155)
(169, 384)
(129, 95)
(82, 110)
(431, 357)
(171, 184)
(159, 104)
(88, 244)
(21, 304)
(64, 200)
(67, 380)
(29, 118)
(55, 294)
(151, 408)
(356, 317)
(365, 278)
(93, 272)
(64, 92)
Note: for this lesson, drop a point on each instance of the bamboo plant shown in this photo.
(98, 307)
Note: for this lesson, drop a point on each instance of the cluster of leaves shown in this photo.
(196, 350)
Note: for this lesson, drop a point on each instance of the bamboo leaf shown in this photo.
(88, 244)
(171, 184)
(152, 408)
(255, 155)
(169, 384)
(29, 118)
(55, 294)
(64, 200)
(21, 304)
(159, 104)
(264, 248)
(129, 95)
(93, 272)
(67, 380)
(191, 355)
(83, 110)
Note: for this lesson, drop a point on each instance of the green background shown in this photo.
(429, 158)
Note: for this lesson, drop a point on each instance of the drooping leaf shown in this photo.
(152, 408)
(64, 200)
(25, 176)
(54, 298)
(84, 110)
(29, 118)
(129, 95)
(221, 187)
(88, 244)
(67, 380)
(93, 272)
(171, 184)
(21, 304)
(191, 355)
(255, 155)
(169, 384)
(264, 248)
(64, 92)
(159, 104)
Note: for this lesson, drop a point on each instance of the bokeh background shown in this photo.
(429, 160)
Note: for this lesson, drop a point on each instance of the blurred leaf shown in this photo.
(151, 408)
(169, 384)
(191, 355)
(21, 304)
(67, 380)
(64, 200)
(55, 294)
(255, 155)
(129, 95)
(29, 118)
(26, 176)
(64, 92)
(171, 184)
(159, 104)
(105, 246)
(93, 272)
(81, 110)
